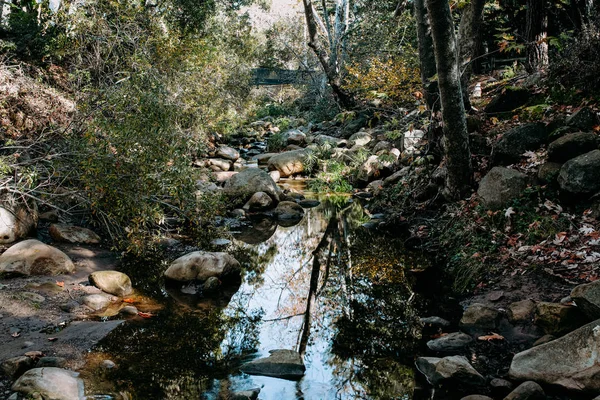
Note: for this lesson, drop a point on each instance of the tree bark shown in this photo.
(468, 39)
(426, 55)
(458, 156)
(536, 35)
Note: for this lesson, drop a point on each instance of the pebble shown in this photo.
(495, 295)
(129, 310)
(108, 364)
(27, 344)
(220, 242)
(435, 321)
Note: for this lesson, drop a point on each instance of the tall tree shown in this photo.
(468, 39)
(426, 55)
(456, 139)
(331, 55)
(536, 34)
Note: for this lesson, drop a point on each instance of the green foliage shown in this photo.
(272, 110)
(276, 143)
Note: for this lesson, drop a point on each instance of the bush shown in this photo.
(276, 143)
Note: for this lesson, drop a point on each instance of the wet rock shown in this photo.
(50, 383)
(571, 361)
(360, 139)
(32, 257)
(288, 211)
(16, 222)
(288, 163)
(251, 394)
(527, 391)
(452, 343)
(259, 201)
(112, 282)
(521, 311)
(228, 153)
(476, 397)
(286, 364)
(129, 310)
(509, 99)
(571, 146)
(501, 185)
(449, 371)
(587, 298)
(479, 318)
(309, 203)
(396, 177)
(252, 180)
(584, 119)
(435, 321)
(517, 141)
(548, 172)
(56, 362)
(96, 301)
(543, 340)
(557, 319)
(73, 234)
(580, 174)
(16, 366)
(201, 265)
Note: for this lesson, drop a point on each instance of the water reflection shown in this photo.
(326, 287)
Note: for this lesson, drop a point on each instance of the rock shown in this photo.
(288, 163)
(360, 139)
(517, 141)
(49, 216)
(96, 302)
(396, 177)
(332, 141)
(476, 397)
(435, 321)
(108, 364)
(412, 140)
(238, 213)
(222, 176)
(478, 144)
(263, 159)
(16, 222)
(585, 119)
(201, 265)
(494, 296)
(112, 282)
(243, 185)
(452, 343)
(521, 311)
(259, 201)
(580, 174)
(286, 364)
(375, 187)
(129, 310)
(571, 146)
(220, 242)
(501, 185)
(451, 371)
(587, 298)
(275, 175)
(16, 366)
(50, 383)
(548, 172)
(73, 234)
(56, 362)
(479, 318)
(228, 153)
(509, 99)
(543, 340)
(212, 284)
(69, 306)
(571, 361)
(258, 232)
(288, 210)
(309, 203)
(557, 319)
(251, 394)
(220, 164)
(382, 146)
(527, 391)
(501, 386)
(32, 257)
(372, 168)
(34, 297)
(295, 137)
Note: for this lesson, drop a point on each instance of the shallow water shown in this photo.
(359, 338)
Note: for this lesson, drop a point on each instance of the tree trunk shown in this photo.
(468, 39)
(426, 55)
(458, 156)
(536, 35)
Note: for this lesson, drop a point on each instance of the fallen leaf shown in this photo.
(145, 314)
(16, 334)
(59, 283)
(509, 211)
(493, 336)
(128, 301)
(52, 339)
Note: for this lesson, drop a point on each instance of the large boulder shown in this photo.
(288, 163)
(449, 371)
(557, 319)
(572, 362)
(286, 364)
(587, 298)
(258, 201)
(241, 186)
(571, 146)
(584, 119)
(228, 153)
(263, 159)
(527, 391)
(32, 257)
(360, 139)
(73, 234)
(295, 137)
(517, 141)
(201, 265)
(50, 384)
(112, 282)
(16, 222)
(16, 366)
(509, 99)
(580, 174)
(501, 185)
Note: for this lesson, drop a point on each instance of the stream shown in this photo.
(352, 310)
